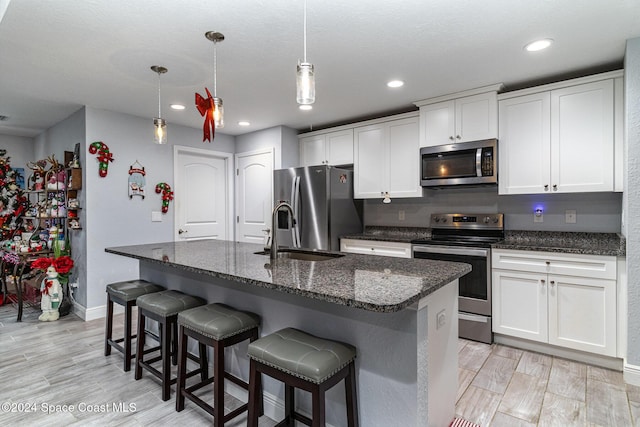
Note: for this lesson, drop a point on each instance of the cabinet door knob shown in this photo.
(546, 187)
(180, 231)
(458, 137)
(552, 282)
(451, 138)
(542, 281)
(555, 187)
(548, 262)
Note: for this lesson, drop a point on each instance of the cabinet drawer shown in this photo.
(376, 247)
(594, 266)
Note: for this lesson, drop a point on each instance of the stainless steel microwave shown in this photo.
(463, 163)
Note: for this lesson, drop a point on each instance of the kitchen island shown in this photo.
(399, 313)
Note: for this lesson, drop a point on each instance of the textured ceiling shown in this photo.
(56, 56)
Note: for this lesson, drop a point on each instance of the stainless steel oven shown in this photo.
(467, 238)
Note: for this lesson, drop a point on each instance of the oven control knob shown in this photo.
(495, 220)
(436, 219)
(486, 219)
(444, 219)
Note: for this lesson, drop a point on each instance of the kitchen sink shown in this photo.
(302, 255)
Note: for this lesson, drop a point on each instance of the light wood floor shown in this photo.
(503, 386)
(63, 363)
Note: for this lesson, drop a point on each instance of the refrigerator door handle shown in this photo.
(295, 230)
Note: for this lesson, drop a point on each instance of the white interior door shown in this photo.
(254, 194)
(202, 194)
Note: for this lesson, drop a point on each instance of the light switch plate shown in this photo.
(156, 216)
(401, 215)
(570, 216)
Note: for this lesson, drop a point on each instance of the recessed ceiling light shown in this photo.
(538, 45)
(243, 123)
(177, 106)
(395, 83)
(305, 107)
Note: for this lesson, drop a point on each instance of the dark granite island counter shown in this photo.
(399, 313)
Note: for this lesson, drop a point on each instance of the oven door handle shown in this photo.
(448, 250)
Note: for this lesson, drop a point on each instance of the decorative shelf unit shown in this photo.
(74, 184)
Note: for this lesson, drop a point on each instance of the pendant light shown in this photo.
(218, 112)
(305, 80)
(159, 124)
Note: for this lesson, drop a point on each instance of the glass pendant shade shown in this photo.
(160, 131)
(218, 113)
(306, 84)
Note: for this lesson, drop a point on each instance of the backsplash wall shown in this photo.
(596, 212)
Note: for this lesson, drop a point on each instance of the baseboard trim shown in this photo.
(579, 356)
(631, 374)
(94, 313)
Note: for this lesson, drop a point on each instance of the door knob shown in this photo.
(180, 231)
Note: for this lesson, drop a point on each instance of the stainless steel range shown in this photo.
(467, 238)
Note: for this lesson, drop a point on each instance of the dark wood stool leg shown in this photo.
(165, 348)
(182, 369)
(204, 361)
(289, 405)
(140, 345)
(127, 337)
(174, 342)
(317, 401)
(218, 384)
(109, 326)
(352, 396)
(255, 380)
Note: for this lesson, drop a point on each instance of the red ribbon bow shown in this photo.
(47, 284)
(206, 107)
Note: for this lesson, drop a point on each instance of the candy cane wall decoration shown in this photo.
(104, 156)
(167, 195)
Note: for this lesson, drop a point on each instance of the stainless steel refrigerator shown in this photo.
(323, 205)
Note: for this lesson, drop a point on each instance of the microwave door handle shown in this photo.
(479, 162)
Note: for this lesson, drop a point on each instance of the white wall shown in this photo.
(284, 140)
(632, 197)
(112, 219)
(20, 149)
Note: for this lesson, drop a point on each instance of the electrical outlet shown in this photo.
(156, 216)
(537, 216)
(401, 215)
(570, 216)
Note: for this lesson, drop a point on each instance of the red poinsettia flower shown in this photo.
(63, 264)
(42, 263)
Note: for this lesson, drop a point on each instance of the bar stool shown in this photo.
(218, 326)
(303, 361)
(163, 307)
(125, 294)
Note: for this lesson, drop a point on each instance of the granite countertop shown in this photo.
(380, 284)
(392, 234)
(612, 244)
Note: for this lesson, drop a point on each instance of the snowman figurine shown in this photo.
(51, 296)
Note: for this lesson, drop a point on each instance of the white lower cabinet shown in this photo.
(560, 299)
(376, 247)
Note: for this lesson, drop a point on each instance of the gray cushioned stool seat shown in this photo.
(132, 289)
(302, 355)
(217, 321)
(167, 303)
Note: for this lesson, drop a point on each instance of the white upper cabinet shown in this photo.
(386, 159)
(330, 148)
(558, 141)
(467, 118)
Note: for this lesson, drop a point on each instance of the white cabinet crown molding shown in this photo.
(359, 124)
(561, 84)
(477, 91)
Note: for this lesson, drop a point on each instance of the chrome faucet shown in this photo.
(273, 252)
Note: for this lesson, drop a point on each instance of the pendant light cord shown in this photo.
(305, 30)
(159, 99)
(215, 67)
